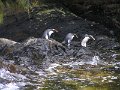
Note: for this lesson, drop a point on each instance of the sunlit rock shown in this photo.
(4, 41)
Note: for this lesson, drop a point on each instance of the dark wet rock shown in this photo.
(43, 46)
(33, 51)
(99, 11)
(104, 42)
(49, 16)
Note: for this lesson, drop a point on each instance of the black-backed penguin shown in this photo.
(69, 38)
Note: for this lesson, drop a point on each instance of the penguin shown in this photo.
(85, 40)
(47, 33)
(69, 38)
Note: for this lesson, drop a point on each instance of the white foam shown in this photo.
(11, 76)
(95, 60)
(113, 77)
(12, 86)
(52, 67)
(16, 80)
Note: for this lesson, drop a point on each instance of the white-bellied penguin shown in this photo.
(47, 33)
(69, 38)
(85, 40)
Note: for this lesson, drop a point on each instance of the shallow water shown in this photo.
(65, 76)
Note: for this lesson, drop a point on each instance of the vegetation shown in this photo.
(1, 11)
(10, 7)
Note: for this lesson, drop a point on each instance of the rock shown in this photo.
(8, 42)
(34, 50)
(104, 42)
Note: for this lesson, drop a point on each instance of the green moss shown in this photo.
(25, 4)
(94, 88)
(48, 11)
(58, 85)
(81, 79)
(37, 3)
(74, 85)
(1, 17)
(1, 12)
(9, 7)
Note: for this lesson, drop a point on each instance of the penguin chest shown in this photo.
(50, 33)
(72, 37)
(84, 41)
(46, 36)
(69, 41)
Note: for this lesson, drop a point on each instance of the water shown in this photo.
(11, 81)
(65, 76)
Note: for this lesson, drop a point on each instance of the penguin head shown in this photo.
(54, 30)
(89, 36)
(51, 31)
(75, 35)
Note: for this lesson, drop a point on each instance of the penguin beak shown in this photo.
(76, 35)
(92, 37)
